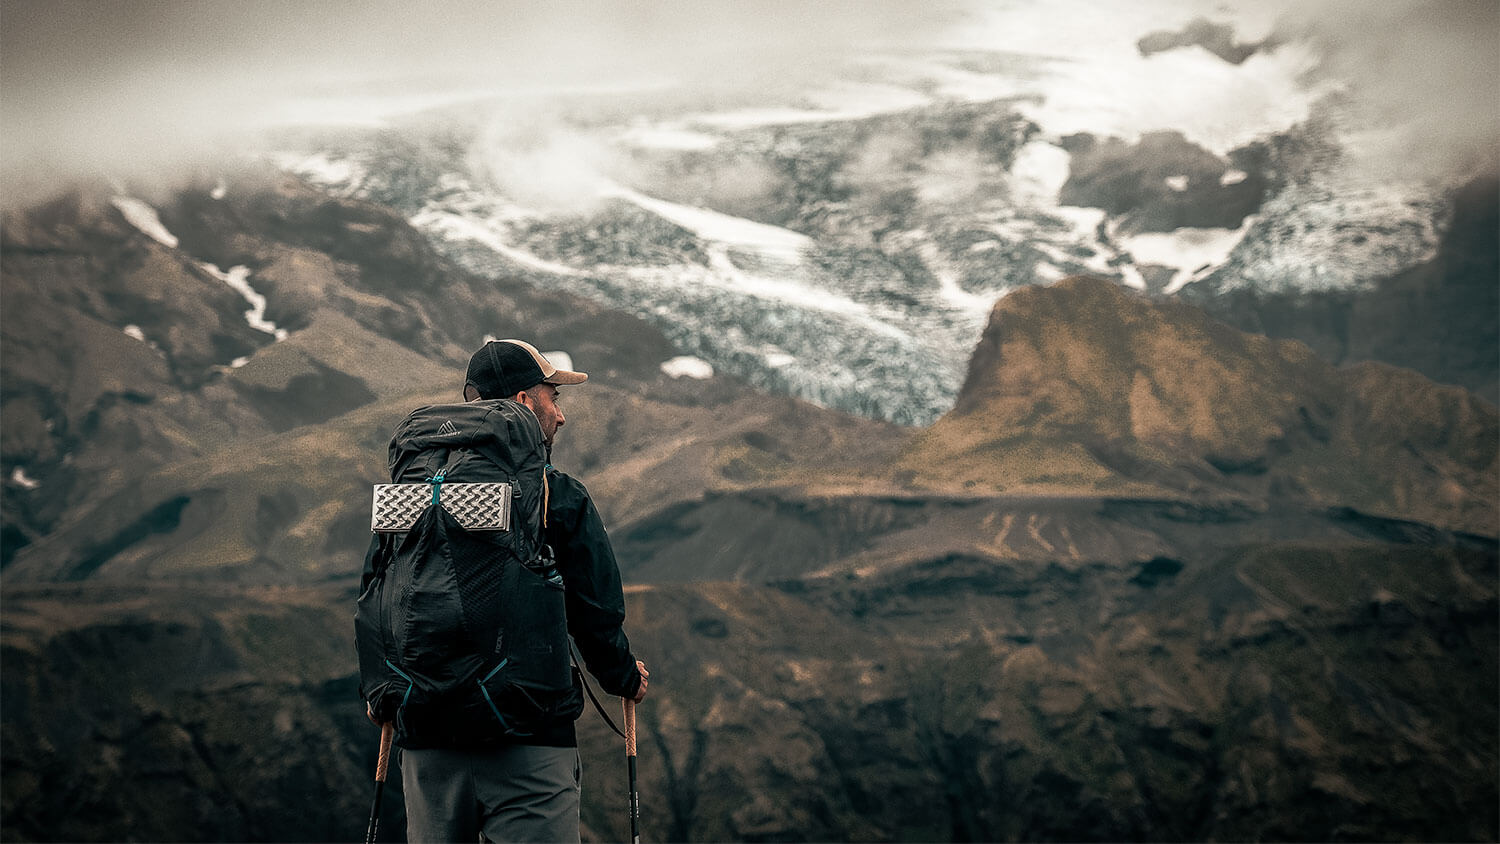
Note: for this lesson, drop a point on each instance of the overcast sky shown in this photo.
(112, 86)
(86, 83)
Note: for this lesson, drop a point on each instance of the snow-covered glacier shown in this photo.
(846, 243)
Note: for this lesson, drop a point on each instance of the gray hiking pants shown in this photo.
(509, 793)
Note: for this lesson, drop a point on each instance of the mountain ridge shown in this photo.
(1127, 388)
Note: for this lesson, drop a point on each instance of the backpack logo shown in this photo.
(447, 427)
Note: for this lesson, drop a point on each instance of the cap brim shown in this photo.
(566, 376)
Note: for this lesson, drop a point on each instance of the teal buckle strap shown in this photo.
(437, 486)
(409, 683)
(504, 724)
(401, 710)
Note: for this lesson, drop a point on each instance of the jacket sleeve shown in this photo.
(595, 598)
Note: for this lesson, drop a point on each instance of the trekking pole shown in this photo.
(382, 766)
(635, 796)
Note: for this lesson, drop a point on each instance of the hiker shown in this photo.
(522, 786)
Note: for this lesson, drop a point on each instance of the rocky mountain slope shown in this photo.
(1094, 386)
(130, 447)
(1150, 578)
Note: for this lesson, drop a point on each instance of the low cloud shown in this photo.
(169, 89)
(138, 88)
(1421, 79)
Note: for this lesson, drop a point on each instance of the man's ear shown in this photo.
(470, 394)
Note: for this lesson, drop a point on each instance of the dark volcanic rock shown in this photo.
(1161, 183)
(1299, 691)
(1217, 38)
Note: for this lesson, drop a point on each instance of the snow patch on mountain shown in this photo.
(144, 218)
(238, 278)
(687, 366)
(1192, 253)
(19, 477)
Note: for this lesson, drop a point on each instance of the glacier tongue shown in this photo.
(759, 299)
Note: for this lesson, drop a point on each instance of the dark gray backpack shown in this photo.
(462, 633)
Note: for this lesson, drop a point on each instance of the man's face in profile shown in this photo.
(543, 403)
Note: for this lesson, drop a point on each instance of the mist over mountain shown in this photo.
(1014, 422)
(843, 243)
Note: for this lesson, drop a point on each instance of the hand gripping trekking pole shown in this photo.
(382, 766)
(635, 796)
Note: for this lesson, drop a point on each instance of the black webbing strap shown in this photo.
(583, 676)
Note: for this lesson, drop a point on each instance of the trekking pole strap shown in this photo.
(594, 700)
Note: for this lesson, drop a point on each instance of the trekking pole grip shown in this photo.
(383, 762)
(629, 726)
